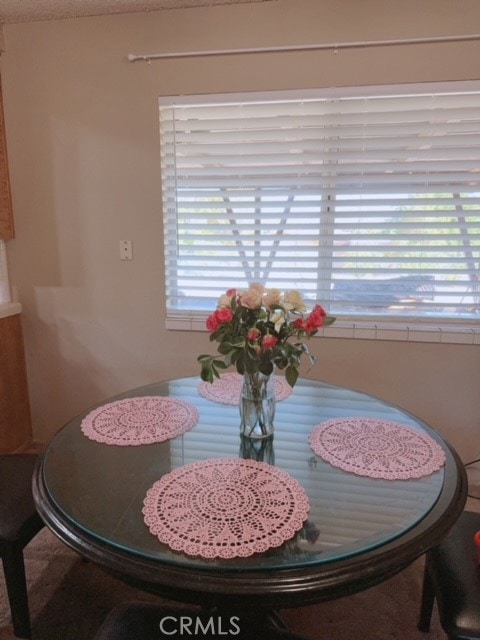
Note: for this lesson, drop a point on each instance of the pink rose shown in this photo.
(318, 310)
(316, 319)
(312, 325)
(269, 342)
(253, 334)
(300, 324)
(223, 315)
(212, 323)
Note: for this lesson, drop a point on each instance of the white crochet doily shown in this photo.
(377, 448)
(142, 420)
(225, 508)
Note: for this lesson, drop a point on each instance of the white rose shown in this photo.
(293, 300)
(278, 319)
(252, 297)
(224, 301)
(272, 297)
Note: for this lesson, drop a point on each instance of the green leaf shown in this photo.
(281, 363)
(238, 343)
(282, 350)
(215, 373)
(291, 375)
(206, 374)
(224, 348)
(240, 363)
(266, 368)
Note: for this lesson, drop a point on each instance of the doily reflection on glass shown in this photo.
(142, 420)
(225, 508)
(377, 448)
(227, 388)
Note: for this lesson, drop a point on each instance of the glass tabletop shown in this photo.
(100, 488)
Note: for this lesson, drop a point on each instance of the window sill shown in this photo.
(453, 333)
(10, 309)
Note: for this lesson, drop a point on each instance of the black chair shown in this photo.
(452, 577)
(19, 522)
(149, 621)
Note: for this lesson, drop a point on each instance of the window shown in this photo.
(368, 203)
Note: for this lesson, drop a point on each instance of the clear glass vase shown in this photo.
(259, 449)
(257, 406)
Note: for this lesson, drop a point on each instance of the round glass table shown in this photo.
(359, 531)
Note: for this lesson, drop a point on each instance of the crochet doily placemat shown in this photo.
(142, 420)
(377, 448)
(225, 508)
(227, 389)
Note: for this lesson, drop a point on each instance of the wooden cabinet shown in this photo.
(6, 215)
(15, 421)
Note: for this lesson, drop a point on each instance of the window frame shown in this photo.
(438, 330)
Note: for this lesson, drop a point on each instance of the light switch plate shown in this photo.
(126, 252)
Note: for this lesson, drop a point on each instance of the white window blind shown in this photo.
(368, 204)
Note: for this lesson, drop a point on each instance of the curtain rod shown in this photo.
(303, 47)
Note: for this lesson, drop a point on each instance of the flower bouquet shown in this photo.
(259, 329)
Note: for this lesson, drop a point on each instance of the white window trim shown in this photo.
(360, 330)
